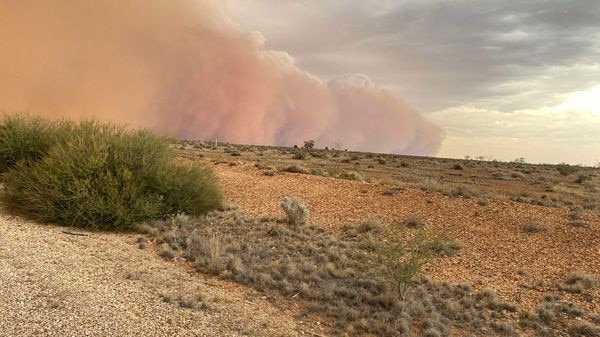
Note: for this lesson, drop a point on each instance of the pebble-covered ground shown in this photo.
(57, 284)
(497, 254)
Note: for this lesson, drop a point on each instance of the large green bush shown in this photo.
(23, 138)
(103, 176)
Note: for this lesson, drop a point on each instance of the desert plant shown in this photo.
(215, 266)
(102, 176)
(582, 178)
(532, 227)
(550, 316)
(295, 169)
(25, 138)
(369, 225)
(401, 263)
(300, 155)
(413, 222)
(583, 329)
(462, 191)
(351, 175)
(337, 277)
(297, 213)
(566, 169)
(578, 282)
(309, 144)
(441, 247)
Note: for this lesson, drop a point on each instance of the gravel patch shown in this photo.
(57, 284)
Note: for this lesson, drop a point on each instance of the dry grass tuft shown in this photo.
(297, 213)
(578, 283)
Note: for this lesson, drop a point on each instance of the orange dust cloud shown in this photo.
(185, 68)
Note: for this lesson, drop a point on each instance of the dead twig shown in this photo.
(76, 234)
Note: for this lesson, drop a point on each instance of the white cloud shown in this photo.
(565, 132)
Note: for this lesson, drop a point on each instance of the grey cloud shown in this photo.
(439, 53)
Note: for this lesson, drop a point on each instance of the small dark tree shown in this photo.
(309, 144)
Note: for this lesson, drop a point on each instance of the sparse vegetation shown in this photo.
(336, 277)
(532, 227)
(566, 169)
(369, 226)
(351, 175)
(578, 283)
(492, 184)
(296, 212)
(413, 222)
(583, 329)
(300, 155)
(441, 247)
(295, 169)
(401, 263)
(551, 318)
(432, 185)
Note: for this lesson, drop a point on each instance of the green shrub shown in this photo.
(24, 139)
(401, 263)
(566, 169)
(102, 176)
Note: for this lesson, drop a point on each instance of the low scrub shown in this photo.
(297, 213)
(25, 139)
(102, 176)
(412, 221)
(578, 283)
(532, 227)
(295, 169)
(441, 247)
(401, 263)
(351, 175)
(359, 283)
(554, 317)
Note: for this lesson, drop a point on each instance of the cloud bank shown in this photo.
(185, 68)
(499, 54)
(495, 74)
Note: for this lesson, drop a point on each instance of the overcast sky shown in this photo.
(504, 78)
